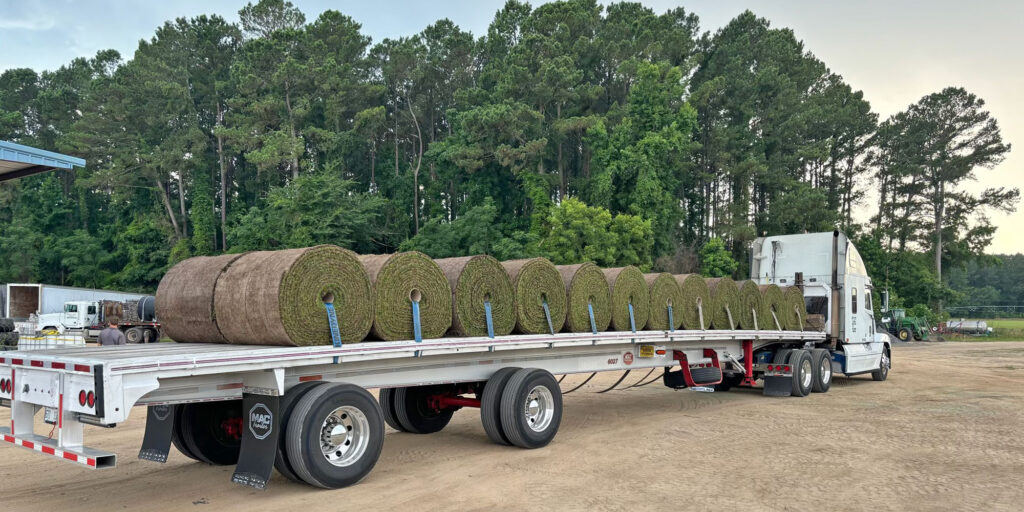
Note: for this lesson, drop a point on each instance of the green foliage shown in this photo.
(715, 259)
(577, 233)
(478, 231)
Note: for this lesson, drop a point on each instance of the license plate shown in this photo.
(50, 415)
(646, 350)
(703, 389)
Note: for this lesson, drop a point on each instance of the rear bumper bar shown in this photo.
(87, 457)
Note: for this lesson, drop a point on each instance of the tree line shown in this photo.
(571, 130)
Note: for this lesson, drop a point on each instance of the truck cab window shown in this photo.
(867, 301)
(853, 300)
(91, 310)
(71, 308)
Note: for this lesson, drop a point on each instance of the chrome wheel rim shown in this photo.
(885, 362)
(826, 370)
(806, 371)
(344, 436)
(539, 408)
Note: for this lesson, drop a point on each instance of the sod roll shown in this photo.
(752, 307)
(796, 309)
(535, 281)
(475, 280)
(627, 286)
(184, 299)
(725, 301)
(696, 300)
(774, 302)
(664, 292)
(277, 297)
(585, 284)
(397, 280)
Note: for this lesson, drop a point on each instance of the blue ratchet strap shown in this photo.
(490, 322)
(632, 320)
(332, 320)
(547, 315)
(671, 324)
(417, 332)
(593, 324)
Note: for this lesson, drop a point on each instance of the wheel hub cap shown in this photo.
(805, 373)
(344, 435)
(539, 408)
(826, 370)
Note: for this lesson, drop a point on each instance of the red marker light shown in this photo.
(81, 398)
(92, 399)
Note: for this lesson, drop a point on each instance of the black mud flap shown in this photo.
(778, 386)
(260, 431)
(157, 440)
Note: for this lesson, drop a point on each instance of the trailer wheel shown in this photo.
(134, 335)
(882, 372)
(531, 408)
(490, 405)
(212, 431)
(288, 401)
(413, 411)
(822, 364)
(154, 335)
(335, 435)
(729, 381)
(803, 372)
(176, 439)
(386, 398)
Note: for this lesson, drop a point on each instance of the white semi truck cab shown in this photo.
(136, 319)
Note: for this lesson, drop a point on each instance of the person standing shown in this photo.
(112, 335)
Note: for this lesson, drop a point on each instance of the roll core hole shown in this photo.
(415, 295)
(328, 298)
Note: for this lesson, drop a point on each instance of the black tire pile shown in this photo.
(8, 338)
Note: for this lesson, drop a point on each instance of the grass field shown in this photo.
(1003, 329)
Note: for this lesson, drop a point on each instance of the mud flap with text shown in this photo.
(778, 386)
(260, 430)
(156, 442)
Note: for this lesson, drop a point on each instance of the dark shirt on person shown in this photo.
(112, 336)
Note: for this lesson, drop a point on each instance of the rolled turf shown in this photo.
(753, 306)
(475, 280)
(535, 281)
(184, 299)
(277, 297)
(696, 299)
(774, 302)
(664, 292)
(397, 279)
(627, 286)
(796, 308)
(585, 283)
(725, 300)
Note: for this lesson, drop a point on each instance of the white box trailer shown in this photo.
(306, 411)
(21, 300)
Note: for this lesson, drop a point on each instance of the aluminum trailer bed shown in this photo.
(100, 386)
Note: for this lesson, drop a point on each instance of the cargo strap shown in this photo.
(490, 322)
(777, 325)
(799, 317)
(332, 321)
(753, 314)
(671, 324)
(417, 331)
(593, 324)
(547, 315)
(632, 319)
(700, 313)
(732, 324)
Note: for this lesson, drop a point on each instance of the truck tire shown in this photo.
(176, 439)
(904, 334)
(531, 408)
(288, 401)
(882, 372)
(206, 431)
(386, 398)
(490, 405)
(134, 335)
(6, 325)
(335, 435)
(803, 372)
(822, 362)
(413, 412)
(154, 335)
(729, 381)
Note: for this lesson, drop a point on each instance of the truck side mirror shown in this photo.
(885, 301)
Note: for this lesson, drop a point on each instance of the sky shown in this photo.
(896, 51)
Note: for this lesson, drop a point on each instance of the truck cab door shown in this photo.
(71, 320)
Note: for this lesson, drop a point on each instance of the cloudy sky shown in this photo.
(895, 51)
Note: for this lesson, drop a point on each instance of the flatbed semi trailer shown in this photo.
(306, 411)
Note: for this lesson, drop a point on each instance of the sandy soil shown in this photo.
(943, 433)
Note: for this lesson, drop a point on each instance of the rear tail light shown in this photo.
(770, 367)
(81, 398)
(787, 368)
(3, 385)
(92, 399)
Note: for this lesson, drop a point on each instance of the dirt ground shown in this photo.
(943, 433)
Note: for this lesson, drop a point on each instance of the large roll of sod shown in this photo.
(627, 286)
(753, 307)
(184, 299)
(277, 297)
(774, 302)
(534, 282)
(585, 284)
(664, 292)
(400, 278)
(725, 302)
(796, 308)
(696, 301)
(475, 281)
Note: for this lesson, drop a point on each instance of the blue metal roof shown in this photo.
(17, 161)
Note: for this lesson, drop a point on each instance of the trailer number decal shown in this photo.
(261, 421)
(627, 358)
